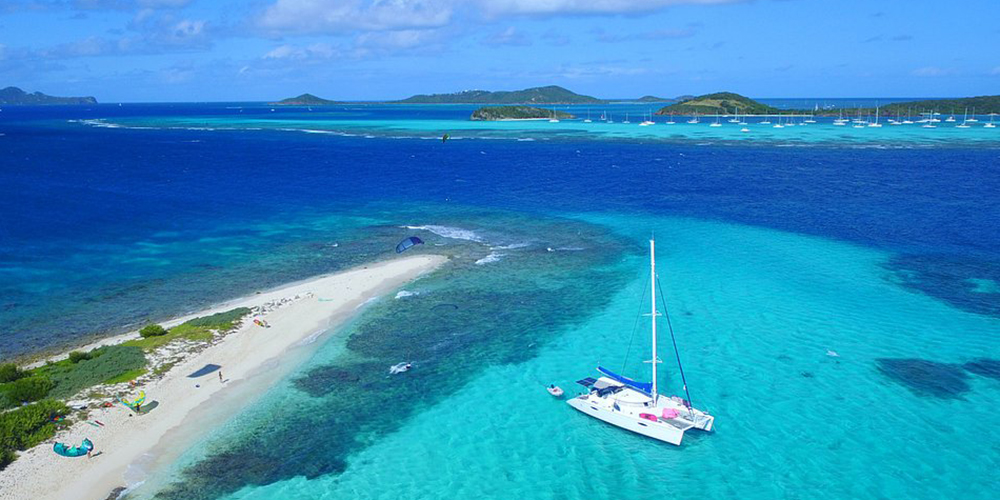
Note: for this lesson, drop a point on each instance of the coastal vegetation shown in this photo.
(37, 393)
(26, 427)
(198, 329)
(497, 113)
(13, 96)
(552, 94)
(717, 103)
(305, 100)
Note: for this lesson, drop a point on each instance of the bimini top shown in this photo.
(646, 387)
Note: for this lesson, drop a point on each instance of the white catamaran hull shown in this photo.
(657, 430)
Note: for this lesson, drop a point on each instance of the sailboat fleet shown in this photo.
(927, 119)
(638, 406)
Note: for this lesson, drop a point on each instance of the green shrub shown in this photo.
(25, 427)
(27, 389)
(153, 330)
(10, 372)
(105, 364)
(78, 356)
(6, 457)
(220, 321)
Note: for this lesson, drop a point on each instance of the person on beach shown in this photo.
(220, 375)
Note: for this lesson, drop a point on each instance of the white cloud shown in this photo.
(510, 36)
(931, 71)
(293, 52)
(339, 16)
(494, 8)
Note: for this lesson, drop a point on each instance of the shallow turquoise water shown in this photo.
(756, 311)
(431, 122)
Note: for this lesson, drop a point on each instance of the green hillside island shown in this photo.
(653, 98)
(717, 103)
(500, 113)
(552, 94)
(305, 100)
(983, 105)
(13, 96)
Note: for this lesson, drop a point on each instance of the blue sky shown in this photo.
(212, 50)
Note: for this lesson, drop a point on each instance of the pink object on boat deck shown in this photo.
(670, 413)
(648, 416)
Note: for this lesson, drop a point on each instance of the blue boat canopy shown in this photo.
(646, 387)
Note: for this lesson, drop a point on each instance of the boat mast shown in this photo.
(652, 291)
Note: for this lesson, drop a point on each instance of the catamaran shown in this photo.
(637, 406)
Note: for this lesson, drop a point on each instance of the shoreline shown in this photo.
(251, 359)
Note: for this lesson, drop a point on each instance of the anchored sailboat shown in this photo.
(637, 406)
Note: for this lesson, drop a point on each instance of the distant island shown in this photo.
(500, 113)
(304, 100)
(13, 96)
(717, 103)
(553, 94)
(653, 98)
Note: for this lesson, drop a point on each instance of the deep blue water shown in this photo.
(70, 194)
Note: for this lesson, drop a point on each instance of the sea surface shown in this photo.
(835, 292)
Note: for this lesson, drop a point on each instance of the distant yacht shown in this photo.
(990, 124)
(875, 124)
(736, 117)
(716, 123)
(694, 119)
(973, 118)
(840, 121)
(778, 124)
(929, 122)
(671, 120)
(637, 406)
(647, 122)
(766, 120)
(588, 120)
(626, 119)
(965, 121)
(951, 119)
(553, 119)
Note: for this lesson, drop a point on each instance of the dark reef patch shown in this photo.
(926, 378)
(325, 379)
(985, 367)
(957, 280)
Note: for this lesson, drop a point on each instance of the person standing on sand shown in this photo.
(220, 375)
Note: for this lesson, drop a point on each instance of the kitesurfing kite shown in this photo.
(134, 404)
(407, 243)
(73, 451)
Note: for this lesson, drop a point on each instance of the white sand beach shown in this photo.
(248, 358)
